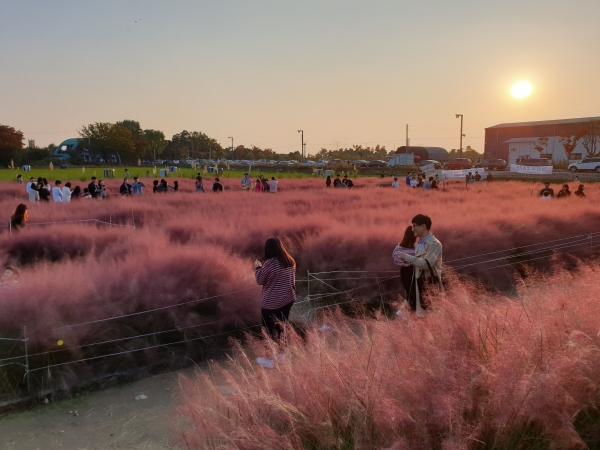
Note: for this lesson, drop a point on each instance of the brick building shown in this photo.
(511, 140)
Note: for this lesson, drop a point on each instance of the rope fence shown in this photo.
(518, 255)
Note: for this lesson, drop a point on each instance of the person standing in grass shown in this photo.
(265, 184)
(407, 271)
(199, 184)
(328, 181)
(427, 260)
(66, 192)
(246, 182)
(277, 276)
(101, 190)
(217, 186)
(408, 179)
(395, 183)
(137, 186)
(579, 192)
(93, 188)
(547, 190)
(564, 192)
(57, 192)
(18, 219)
(273, 185)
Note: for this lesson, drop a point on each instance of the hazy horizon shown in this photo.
(345, 72)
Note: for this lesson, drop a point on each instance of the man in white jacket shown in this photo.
(56, 192)
(427, 260)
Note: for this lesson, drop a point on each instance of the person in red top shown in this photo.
(277, 276)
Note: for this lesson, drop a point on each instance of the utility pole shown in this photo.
(406, 148)
(302, 139)
(231, 144)
(461, 134)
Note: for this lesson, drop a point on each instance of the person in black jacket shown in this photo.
(564, 192)
(93, 188)
(18, 219)
(547, 189)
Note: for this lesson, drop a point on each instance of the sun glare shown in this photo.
(521, 89)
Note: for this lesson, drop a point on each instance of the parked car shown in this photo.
(491, 164)
(377, 163)
(429, 165)
(360, 163)
(535, 162)
(335, 161)
(458, 163)
(586, 164)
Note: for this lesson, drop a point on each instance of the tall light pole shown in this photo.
(231, 144)
(461, 134)
(302, 138)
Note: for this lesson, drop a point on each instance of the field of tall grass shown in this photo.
(482, 371)
(189, 260)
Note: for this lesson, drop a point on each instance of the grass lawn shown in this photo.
(78, 173)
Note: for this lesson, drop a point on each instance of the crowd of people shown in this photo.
(547, 193)
(344, 182)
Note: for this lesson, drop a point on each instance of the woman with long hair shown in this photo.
(277, 276)
(76, 194)
(18, 219)
(407, 245)
(579, 192)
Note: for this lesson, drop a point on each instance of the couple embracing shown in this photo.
(420, 262)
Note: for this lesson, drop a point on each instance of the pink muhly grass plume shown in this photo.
(475, 370)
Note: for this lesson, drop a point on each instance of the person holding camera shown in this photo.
(427, 260)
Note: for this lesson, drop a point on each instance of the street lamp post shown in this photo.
(302, 143)
(461, 134)
(231, 144)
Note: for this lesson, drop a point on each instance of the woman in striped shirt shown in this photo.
(278, 278)
(407, 270)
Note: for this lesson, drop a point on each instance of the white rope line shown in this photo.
(531, 252)
(155, 309)
(76, 221)
(330, 294)
(120, 339)
(141, 349)
(8, 339)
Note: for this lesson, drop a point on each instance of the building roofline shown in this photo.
(544, 122)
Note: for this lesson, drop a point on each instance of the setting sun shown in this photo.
(521, 89)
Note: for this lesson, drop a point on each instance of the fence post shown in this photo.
(308, 288)
(26, 357)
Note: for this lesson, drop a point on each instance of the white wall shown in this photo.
(554, 147)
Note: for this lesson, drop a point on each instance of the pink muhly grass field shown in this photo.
(188, 246)
(479, 371)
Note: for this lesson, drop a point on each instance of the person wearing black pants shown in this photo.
(277, 276)
(407, 271)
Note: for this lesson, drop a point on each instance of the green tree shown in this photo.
(156, 143)
(195, 145)
(541, 144)
(138, 136)
(108, 139)
(11, 143)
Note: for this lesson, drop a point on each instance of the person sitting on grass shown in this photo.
(349, 184)
(18, 219)
(579, 192)
(273, 185)
(258, 186)
(86, 194)
(547, 189)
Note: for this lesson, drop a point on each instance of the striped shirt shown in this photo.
(279, 284)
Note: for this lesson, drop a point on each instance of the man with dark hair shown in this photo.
(93, 188)
(547, 189)
(427, 260)
(217, 186)
(434, 183)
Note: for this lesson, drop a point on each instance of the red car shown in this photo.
(458, 163)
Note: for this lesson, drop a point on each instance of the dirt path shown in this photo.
(110, 419)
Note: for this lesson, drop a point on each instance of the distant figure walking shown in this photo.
(18, 219)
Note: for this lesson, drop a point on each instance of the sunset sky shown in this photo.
(346, 72)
